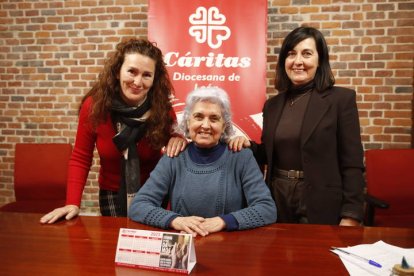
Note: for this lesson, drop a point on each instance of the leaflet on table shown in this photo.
(384, 254)
(155, 250)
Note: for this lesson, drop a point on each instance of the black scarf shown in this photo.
(129, 131)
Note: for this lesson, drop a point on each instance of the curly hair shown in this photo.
(160, 123)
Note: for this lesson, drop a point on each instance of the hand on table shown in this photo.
(349, 222)
(212, 225)
(190, 225)
(68, 211)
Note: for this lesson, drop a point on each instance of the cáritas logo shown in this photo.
(208, 26)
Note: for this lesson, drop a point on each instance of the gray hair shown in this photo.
(211, 94)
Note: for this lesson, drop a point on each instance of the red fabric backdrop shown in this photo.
(216, 43)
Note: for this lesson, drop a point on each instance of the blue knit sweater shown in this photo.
(233, 184)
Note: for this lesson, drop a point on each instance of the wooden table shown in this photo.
(86, 246)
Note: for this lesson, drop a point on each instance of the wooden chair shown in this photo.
(40, 175)
(390, 187)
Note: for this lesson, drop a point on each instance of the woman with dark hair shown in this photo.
(128, 116)
(323, 77)
(311, 140)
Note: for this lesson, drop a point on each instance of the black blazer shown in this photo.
(332, 153)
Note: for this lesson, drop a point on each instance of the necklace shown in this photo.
(294, 100)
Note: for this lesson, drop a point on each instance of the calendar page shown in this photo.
(157, 250)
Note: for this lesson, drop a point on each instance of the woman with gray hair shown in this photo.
(209, 187)
(212, 95)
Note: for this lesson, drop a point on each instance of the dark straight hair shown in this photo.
(324, 77)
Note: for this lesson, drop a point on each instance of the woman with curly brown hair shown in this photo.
(128, 116)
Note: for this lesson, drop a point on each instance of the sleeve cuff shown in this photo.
(351, 216)
(231, 222)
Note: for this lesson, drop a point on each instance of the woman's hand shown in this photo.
(349, 222)
(239, 142)
(68, 211)
(212, 225)
(190, 225)
(175, 146)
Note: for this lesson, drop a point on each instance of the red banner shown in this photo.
(215, 43)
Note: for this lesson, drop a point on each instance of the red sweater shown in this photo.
(109, 156)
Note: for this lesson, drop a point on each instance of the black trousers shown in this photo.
(289, 195)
